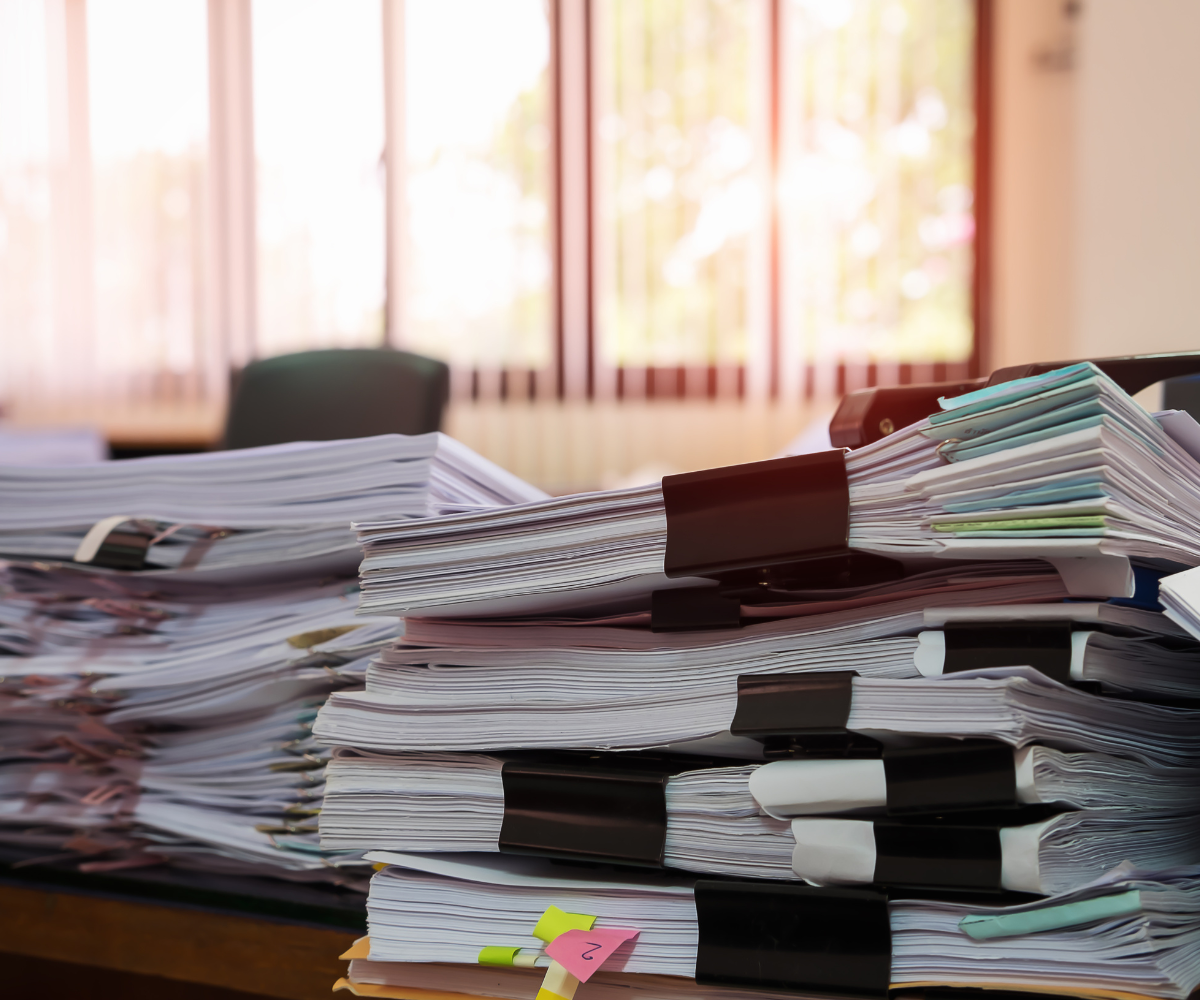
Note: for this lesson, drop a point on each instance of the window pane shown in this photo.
(26, 337)
(319, 140)
(876, 187)
(477, 275)
(680, 111)
(148, 142)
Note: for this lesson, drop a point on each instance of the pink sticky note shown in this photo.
(582, 952)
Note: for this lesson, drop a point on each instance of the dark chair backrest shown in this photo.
(1182, 394)
(325, 395)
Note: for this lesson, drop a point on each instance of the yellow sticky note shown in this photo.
(494, 955)
(555, 921)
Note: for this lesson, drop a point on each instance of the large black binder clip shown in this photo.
(584, 812)
(689, 609)
(870, 414)
(798, 938)
(763, 514)
(938, 856)
(761, 530)
(800, 715)
(1045, 647)
(957, 776)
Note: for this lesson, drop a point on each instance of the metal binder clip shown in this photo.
(797, 715)
(784, 936)
(118, 542)
(689, 609)
(937, 856)
(584, 812)
(956, 776)
(742, 517)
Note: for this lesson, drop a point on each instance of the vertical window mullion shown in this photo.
(573, 196)
(233, 245)
(72, 230)
(395, 163)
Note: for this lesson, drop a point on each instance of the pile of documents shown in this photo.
(1061, 466)
(967, 755)
(158, 688)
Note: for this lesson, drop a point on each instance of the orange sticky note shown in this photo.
(582, 952)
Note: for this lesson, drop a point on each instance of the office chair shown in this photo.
(324, 395)
(1183, 394)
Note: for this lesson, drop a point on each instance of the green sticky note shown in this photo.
(555, 922)
(984, 926)
(1023, 524)
(493, 955)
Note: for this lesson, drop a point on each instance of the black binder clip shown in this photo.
(868, 415)
(763, 514)
(956, 776)
(115, 543)
(689, 609)
(797, 938)
(931, 856)
(584, 812)
(760, 530)
(800, 715)
(1046, 647)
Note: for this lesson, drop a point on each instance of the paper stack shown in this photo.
(1063, 466)
(1140, 928)
(795, 694)
(159, 688)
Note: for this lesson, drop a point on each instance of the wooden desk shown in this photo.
(112, 924)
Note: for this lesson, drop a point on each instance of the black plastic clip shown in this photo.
(689, 609)
(124, 547)
(800, 715)
(955, 776)
(784, 936)
(938, 856)
(771, 513)
(1045, 646)
(582, 812)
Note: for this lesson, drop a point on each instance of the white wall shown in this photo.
(1097, 179)
(1137, 227)
(1033, 182)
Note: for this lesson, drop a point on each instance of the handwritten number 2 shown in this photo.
(587, 955)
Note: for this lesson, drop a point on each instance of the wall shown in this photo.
(566, 447)
(1097, 178)
(1033, 180)
(1137, 231)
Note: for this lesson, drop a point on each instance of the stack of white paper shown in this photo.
(1133, 932)
(1058, 466)
(166, 713)
(551, 667)
(1016, 705)
(202, 724)
(269, 511)
(740, 821)
(1180, 596)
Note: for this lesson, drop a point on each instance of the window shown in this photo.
(573, 199)
(319, 146)
(147, 98)
(875, 187)
(682, 199)
(476, 254)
